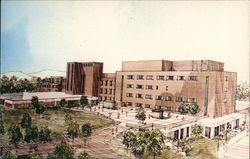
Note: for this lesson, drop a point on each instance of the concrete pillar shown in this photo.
(212, 132)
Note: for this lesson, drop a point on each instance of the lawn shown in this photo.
(53, 118)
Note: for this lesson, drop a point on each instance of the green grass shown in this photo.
(53, 118)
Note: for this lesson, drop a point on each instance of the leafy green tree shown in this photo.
(15, 134)
(34, 101)
(155, 143)
(31, 134)
(84, 101)
(27, 136)
(34, 154)
(40, 109)
(9, 155)
(34, 133)
(84, 155)
(242, 92)
(44, 134)
(129, 138)
(1, 127)
(193, 108)
(141, 115)
(197, 130)
(63, 102)
(63, 151)
(86, 131)
(26, 120)
(73, 129)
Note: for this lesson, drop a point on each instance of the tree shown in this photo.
(155, 143)
(1, 126)
(64, 151)
(31, 134)
(141, 115)
(191, 108)
(73, 129)
(84, 101)
(34, 154)
(15, 134)
(26, 120)
(63, 102)
(242, 92)
(9, 155)
(40, 109)
(84, 155)
(86, 131)
(44, 134)
(128, 139)
(197, 130)
(34, 101)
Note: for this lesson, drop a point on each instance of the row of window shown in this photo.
(157, 97)
(107, 91)
(167, 108)
(160, 77)
(106, 98)
(107, 83)
(139, 86)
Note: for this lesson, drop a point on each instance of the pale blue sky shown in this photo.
(38, 35)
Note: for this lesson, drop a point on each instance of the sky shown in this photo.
(38, 35)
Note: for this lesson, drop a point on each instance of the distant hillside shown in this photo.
(18, 74)
(48, 73)
(41, 74)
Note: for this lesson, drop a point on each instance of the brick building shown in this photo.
(107, 91)
(51, 84)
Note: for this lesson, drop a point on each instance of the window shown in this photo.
(166, 88)
(140, 77)
(129, 95)
(130, 77)
(106, 91)
(106, 82)
(139, 95)
(139, 86)
(226, 78)
(102, 83)
(130, 85)
(110, 91)
(101, 90)
(157, 106)
(168, 98)
(147, 105)
(148, 96)
(192, 100)
(158, 97)
(156, 87)
(129, 103)
(160, 77)
(170, 77)
(149, 77)
(100, 98)
(138, 104)
(168, 108)
(179, 99)
(180, 78)
(149, 87)
(110, 83)
(225, 100)
(225, 89)
(105, 98)
(192, 78)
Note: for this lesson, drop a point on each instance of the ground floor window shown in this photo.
(216, 131)
(181, 135)
(208, 132)
(237, 123)
(176, 134)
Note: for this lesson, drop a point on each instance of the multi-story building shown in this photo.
(51, 84)
(84, 78)
(168, 84)
(107, 90)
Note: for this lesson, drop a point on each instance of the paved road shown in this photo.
(239, 150)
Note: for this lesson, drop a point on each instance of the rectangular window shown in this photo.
(106, 91)
(101, 90)
(139, 95)
(168, 108)
(150, 77)
(158, 97)
(226, 78)
(160, 77)
(139, 86)
(157, 106)
(129, 95)
(110, 91)
(110, 83)
(106, 82)
(148, 96)
(179, 99)
(180, 78)
(149, 87)
(168, 98)
(192, 100)
(130, 85)
(166, 88)
(170, 77)
(130, 77)
(140, 77)
(102, 83)
(147, 105)
(156, 87)
(192, 78)
(138, 104)
(129, 103)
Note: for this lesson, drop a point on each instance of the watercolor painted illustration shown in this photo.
(124, 79)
